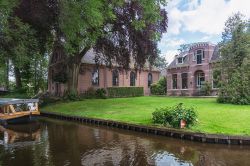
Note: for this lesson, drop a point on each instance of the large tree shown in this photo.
(22, 46)
(235, 61)
(119, 30)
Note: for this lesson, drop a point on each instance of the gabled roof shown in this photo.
(89, 58)
(215, 56)
(174, 63)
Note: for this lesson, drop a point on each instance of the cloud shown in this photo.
(204, 16)
(169, 55)
(175, 42)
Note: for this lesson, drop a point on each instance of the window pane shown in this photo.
(132, 79)
(180, 60)
(200, 77)
(198, 51)
(184, 78)
(174, 79)
(115, 78)
(150, 79)
(95, 77)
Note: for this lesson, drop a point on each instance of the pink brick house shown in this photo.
(191, 69)
(99, 77)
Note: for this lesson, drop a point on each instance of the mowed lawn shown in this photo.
(212, 116)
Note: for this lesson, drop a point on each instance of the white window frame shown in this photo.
(182, 81)
(198, 76)
(181, 60)
(202, 55)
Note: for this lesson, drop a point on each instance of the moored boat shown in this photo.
(16, 111)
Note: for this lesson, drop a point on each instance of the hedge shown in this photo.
(125, 91)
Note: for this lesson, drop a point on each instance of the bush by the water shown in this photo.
(159, 88)
(125, 91)
(173, 115)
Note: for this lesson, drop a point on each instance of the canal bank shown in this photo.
(175, 133)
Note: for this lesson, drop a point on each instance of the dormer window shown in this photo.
(180, 60)
(199, 56)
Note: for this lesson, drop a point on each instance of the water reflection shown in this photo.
(19, 135)
(64, 143)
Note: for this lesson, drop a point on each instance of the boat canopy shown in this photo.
(8, 101)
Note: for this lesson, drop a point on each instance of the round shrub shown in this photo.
(173, 115)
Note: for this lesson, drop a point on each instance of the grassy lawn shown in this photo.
(213, 117)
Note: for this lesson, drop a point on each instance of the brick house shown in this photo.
(191, 69)
(99, 76)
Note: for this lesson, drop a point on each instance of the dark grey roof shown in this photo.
(89, 58)
(7, 101)
(174, 64)
(216, 54)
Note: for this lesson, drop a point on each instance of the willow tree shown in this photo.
(117, 29)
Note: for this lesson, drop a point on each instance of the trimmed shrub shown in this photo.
(90, 93)
(173, 115)
(114, 92)
(100, 93)
(159, 88)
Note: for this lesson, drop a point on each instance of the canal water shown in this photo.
(60, 143)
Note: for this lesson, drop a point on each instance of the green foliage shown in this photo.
(206, 89)
(160, 87)
(125, 91)
(71, 96)
(101, 93)
(216, 78)
(235, 63)
(79, 17)
(161, 63)
(92, 93)
(19, 50)
(173, 115)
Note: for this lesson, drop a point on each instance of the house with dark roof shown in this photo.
(98, 76)
(190, 69)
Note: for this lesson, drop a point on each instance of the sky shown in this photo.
(197, 21)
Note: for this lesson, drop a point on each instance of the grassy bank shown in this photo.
(213, 117)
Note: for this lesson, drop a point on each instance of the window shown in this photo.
(115, 78)
(180, 60)
(132, 78)
(199, 56)
(95, 77)
(200, 79)
(174, 80)
(184, 80)
(150, 79)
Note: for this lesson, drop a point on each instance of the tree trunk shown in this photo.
(18, 78)
(7, 74)
(73, 67)
(72, 76)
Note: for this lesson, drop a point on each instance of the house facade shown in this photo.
(189, 70)
(101, 76)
